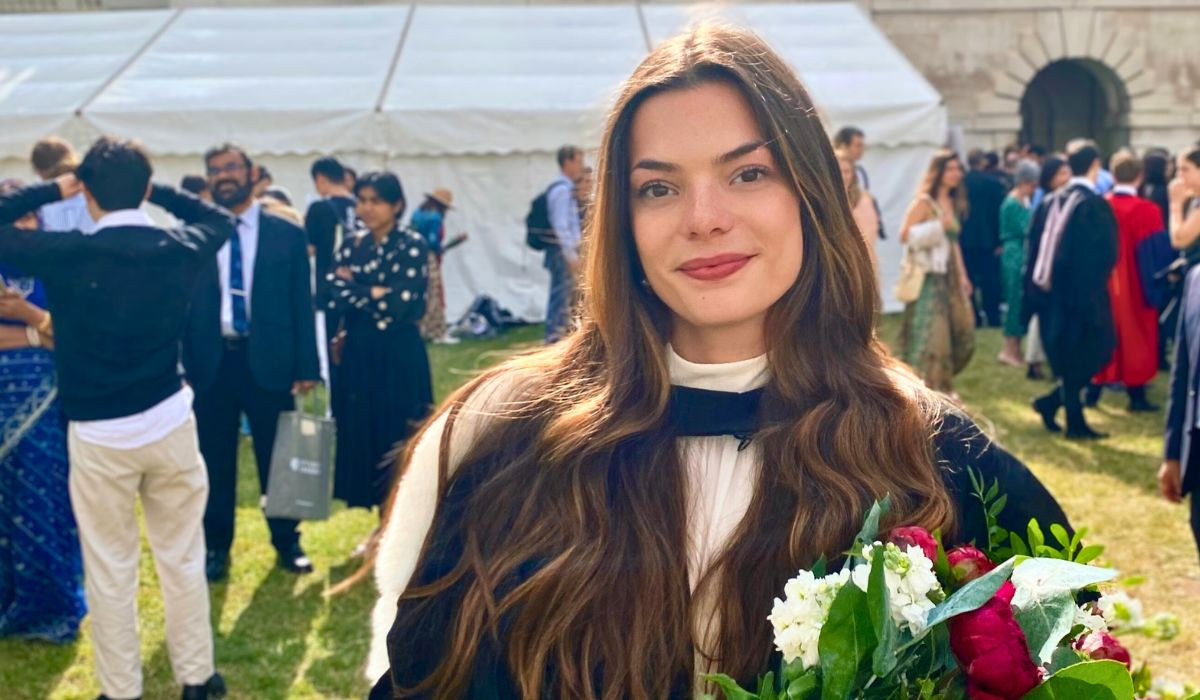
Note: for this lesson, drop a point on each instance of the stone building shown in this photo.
(1125, 72)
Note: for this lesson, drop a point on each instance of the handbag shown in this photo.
(912, 278)
(301, 479)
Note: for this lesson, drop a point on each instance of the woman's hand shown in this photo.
(1178, 191)
(344, 273)
(380, 292)
(967, 288)
(15, 307)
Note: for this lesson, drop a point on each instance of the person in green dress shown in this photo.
(1014, 225)
(937, 335)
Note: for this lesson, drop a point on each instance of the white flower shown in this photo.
(1170, 689)
(912, 585)
(798, 618)
(1086, 616)
(1120, 610)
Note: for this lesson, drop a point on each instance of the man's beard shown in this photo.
(231, 197)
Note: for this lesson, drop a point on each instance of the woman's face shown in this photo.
(953, 174)
(847, 167)
(716, 225)
(377, 213)
(1189, 173)
(1062, 177)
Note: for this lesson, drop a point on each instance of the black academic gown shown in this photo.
(1075, 315)
(414, 650)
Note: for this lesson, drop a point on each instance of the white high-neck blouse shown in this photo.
(720, 482)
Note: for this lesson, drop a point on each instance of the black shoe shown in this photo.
(293, 559)
(1091, 395)
(1047, 414)
(216, 566)
(1084, 433)
(1142, 406)
(1034, 372)
(102, 696)
(214, 688)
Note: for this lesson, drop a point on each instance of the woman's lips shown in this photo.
(715, 268)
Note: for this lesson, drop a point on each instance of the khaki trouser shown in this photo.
(170, 477)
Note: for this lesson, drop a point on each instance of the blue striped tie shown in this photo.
(237, 289)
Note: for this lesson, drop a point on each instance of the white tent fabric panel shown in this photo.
(51, 65)
(510, 78)
(295, 80)
(854, 74)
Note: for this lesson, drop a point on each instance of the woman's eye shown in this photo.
(751, 175)
(654, 190)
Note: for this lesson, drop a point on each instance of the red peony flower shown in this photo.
(968, 563)
(991, 650)
(1101, 646)
(916, 536)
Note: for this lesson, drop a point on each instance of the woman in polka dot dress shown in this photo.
(378, 286)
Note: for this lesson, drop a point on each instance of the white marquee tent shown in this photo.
(475, 98)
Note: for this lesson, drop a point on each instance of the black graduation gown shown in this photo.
(1075, 316)
(414, 650)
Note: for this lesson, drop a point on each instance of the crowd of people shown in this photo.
(166, 344)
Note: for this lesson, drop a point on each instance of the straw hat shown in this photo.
(442, 196)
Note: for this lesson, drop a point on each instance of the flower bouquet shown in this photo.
(904, 618)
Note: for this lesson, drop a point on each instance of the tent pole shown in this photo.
(125, 66)
(387, 82)
(642, 24)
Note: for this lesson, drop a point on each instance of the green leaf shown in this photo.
(870, 530)
(993, 491)
(1131, 581)
(888, 635)
(803, 687)
(847, 638)
(732, 690)
(1060, 534)
(941, 565)
(1045, 622)
(766, 688)
(1064, 657)
(997, 507)
(1018, 545)
(1089, 553)
(1094, 680)
(794, 670)
(1034, 577)
(1036, 538)
(819, 567)
(971, 596)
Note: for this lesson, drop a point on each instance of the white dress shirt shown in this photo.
(247, 231)
(720, 483)
(156, 422)
(1125, 189)
(70, 214)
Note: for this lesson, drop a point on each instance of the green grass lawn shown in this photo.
(277, 636)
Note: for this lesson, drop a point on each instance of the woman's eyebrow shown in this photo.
(663, 166)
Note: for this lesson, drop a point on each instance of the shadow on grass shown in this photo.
(348, 622)
(30, 669)
(261, 655)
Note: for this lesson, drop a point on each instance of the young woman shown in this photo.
(384, 388)
(1185, 214)
(1014, 227)
(612, 516)
(41, 570)
(938, 335)
(428, 220)
(862, 206)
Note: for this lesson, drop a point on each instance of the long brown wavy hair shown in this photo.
(582, 475)
(932, 184)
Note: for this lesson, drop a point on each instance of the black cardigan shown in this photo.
(414, 651)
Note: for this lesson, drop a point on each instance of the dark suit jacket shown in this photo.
(283, 338)
(981, 227)
(1181, 403)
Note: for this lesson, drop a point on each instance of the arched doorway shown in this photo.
(1075, 98)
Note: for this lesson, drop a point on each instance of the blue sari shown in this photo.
(41, 571)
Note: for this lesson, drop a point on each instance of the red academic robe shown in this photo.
(1135, 361)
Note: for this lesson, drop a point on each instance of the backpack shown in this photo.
(539, 233)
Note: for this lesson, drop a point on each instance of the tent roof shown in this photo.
(409, 80)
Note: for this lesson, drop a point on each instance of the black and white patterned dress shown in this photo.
(384, 387)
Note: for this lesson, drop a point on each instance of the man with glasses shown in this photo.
(250, 347)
